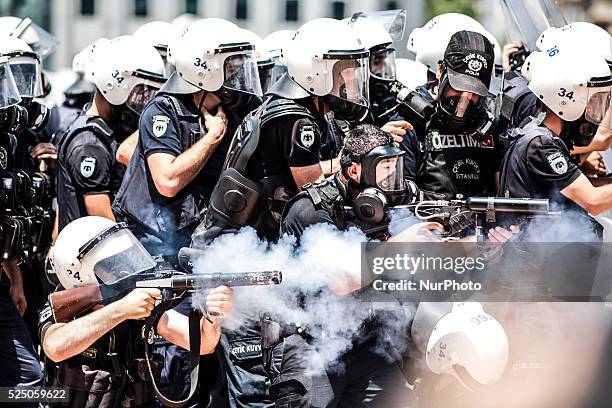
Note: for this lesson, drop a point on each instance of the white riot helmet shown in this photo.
(161, 35)
(275, 44)
(93, 250)
(82, 67)
(25, 65)
(183, 21)
(265, 63)
(461, 340)
(41, 42)
(582, 34)
(377, 40)
(575, 85)
(429, 42)
(215, 55)
(127, 71)
(326, 58)
(410, 74)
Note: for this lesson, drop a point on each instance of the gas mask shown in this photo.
(348, 98)
(14, 119)
(382, 78)
(579, 132)
(233, 100)
(241, 90)
(124, 122)
(382, 183)
(460, 111)
(38, 114)
(353, 113)
(125, 117)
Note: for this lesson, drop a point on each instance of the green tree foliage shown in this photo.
(437, 7)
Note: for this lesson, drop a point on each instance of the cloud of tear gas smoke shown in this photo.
(316, 273)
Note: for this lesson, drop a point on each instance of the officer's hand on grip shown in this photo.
(397, 129)
(421, 232)
(501, 235)
(216, 125)
(220, 302)
(139, 303)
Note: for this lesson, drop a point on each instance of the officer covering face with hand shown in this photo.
(182, 135)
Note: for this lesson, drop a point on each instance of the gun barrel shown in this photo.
(211, 280)
(511, 205)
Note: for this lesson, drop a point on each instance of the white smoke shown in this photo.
(318, 273)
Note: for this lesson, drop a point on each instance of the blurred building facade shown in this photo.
(77, 23)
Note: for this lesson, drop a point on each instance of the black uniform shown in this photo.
(539, 165)
(18, 361)
(451, 163)
(111, 372)
(86, 166)
(169, 124)
(368, 379)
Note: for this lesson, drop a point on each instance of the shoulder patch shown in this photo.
(557, 162)
(3, 158)
(44, 314)
(307, 135)
(160, 124)
(88, 166)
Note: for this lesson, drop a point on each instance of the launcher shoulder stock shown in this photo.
(70, 303)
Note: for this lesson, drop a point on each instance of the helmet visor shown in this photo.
(598, 107)
(28, 78)
(241, 74)
(42, 42)
(390, 174)
(117, 256)
(265, 74)
(140, 96)
(9, 94)
(350, 78)
(278, 71)
(461, 104)
(382, 64)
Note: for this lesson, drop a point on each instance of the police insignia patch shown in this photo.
(3, 158)
(160, 125)
(88, 166)
(307, 135)
(557, 162)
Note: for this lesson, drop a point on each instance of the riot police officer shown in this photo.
(79, 93)
(182, 143)
(459, 152)
(100, 356)
(574, 90)
(18, 360)
(127, 74)
(34, 215)
(276, 150)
